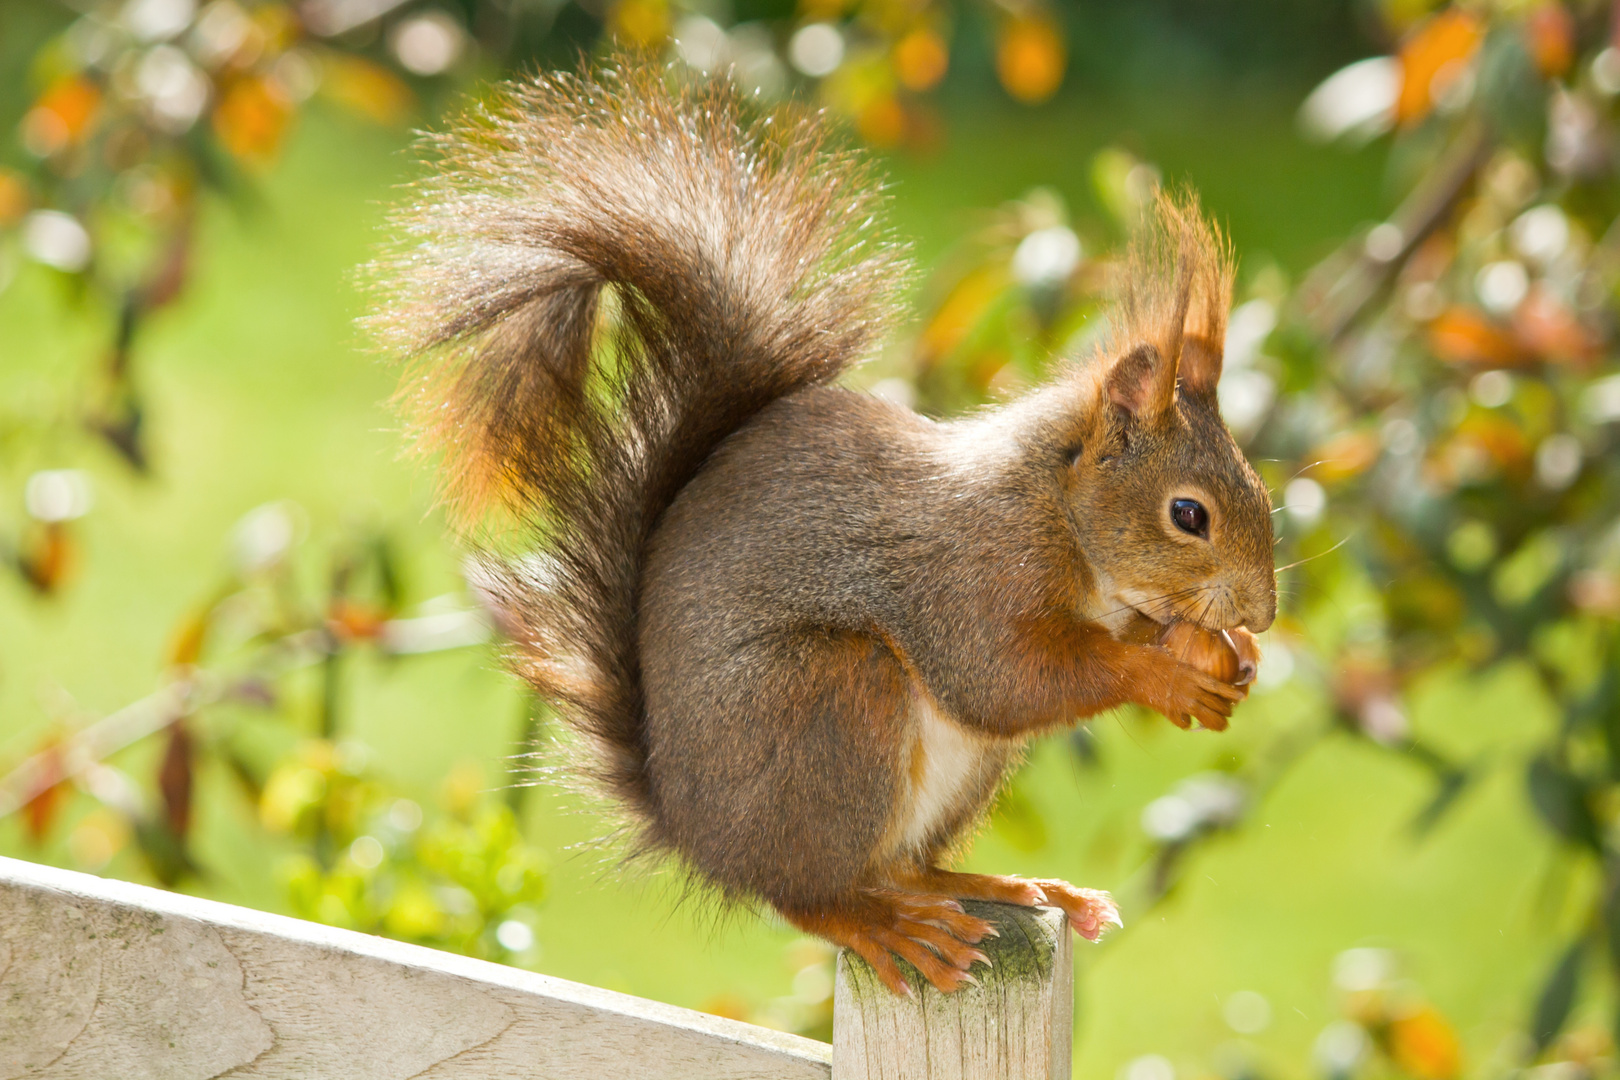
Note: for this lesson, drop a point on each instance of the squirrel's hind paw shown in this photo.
(932, 933)
(1091, 911)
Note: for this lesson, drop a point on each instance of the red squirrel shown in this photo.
(803, 632)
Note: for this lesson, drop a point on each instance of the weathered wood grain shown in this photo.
(103, 979)
(1017, 1024)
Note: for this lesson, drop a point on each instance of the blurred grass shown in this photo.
(260, 390)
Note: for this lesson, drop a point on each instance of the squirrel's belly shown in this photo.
(951, 774)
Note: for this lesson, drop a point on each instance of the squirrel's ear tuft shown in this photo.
(1176, 292)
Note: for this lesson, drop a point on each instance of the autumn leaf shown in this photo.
(49, 560)
(1461, 335)
(729, 1006)
(352, 620)
(187, 644)
(1500, 439)
(40, 811)
(63, 115)
(1030, 58)
(920, 60)
(882, 121)
(367, 88)
(1425, 1045)
(1551, 36)
(1546, 327)
(1432, 59)
(13, 198)
(252, 118)
(1346, 455)
(960, 311)
(175, 779)
(640, 22)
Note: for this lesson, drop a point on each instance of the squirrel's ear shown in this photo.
(1142, 382)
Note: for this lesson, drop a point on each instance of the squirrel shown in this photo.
(802, 631)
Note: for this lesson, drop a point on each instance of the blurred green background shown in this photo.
(256, 388)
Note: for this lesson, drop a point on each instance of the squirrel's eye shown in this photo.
(1190, 517)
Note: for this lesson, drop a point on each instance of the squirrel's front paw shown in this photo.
(1090, 911)
(1188, 694)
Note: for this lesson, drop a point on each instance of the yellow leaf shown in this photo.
(822, 10)
(1345, 455)
(13, 197)
(920, 60)
(367, 88)
(1464, 336)
(1030, 58)
(959, 313)
(1551, 32)
(882, 122)
(462, 787)
(640, 22)
(1424, 1045)
(74, 100)
(729, 1006)
(291, 792)
(188, 640)
(414, 913)
(63, 116)
(251, 118)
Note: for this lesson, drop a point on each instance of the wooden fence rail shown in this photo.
(104, 980)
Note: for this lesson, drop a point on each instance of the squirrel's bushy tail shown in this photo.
(603, 277)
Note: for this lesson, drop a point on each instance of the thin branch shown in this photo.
(156, 711)
(1342, 286)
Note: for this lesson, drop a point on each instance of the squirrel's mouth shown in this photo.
(1200, 606)
(1130, 620)
(1160, 614)
(1163, 610)
(1195, 607)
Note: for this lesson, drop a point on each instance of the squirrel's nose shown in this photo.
(1260, 616)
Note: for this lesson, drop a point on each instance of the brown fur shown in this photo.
(808, 630)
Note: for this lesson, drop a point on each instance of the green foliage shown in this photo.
(465, 880)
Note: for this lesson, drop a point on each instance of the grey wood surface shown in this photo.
(104, 980)
(1017, 1024)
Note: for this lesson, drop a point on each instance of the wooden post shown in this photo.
(1017, 1024)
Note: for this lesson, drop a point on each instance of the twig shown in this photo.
(106, 736)
(1342, 286)
(84, 750)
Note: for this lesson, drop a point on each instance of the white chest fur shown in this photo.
(948, 766)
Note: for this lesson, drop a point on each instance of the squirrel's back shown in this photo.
(602, 278)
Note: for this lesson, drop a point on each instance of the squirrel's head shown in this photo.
(1172, 519)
